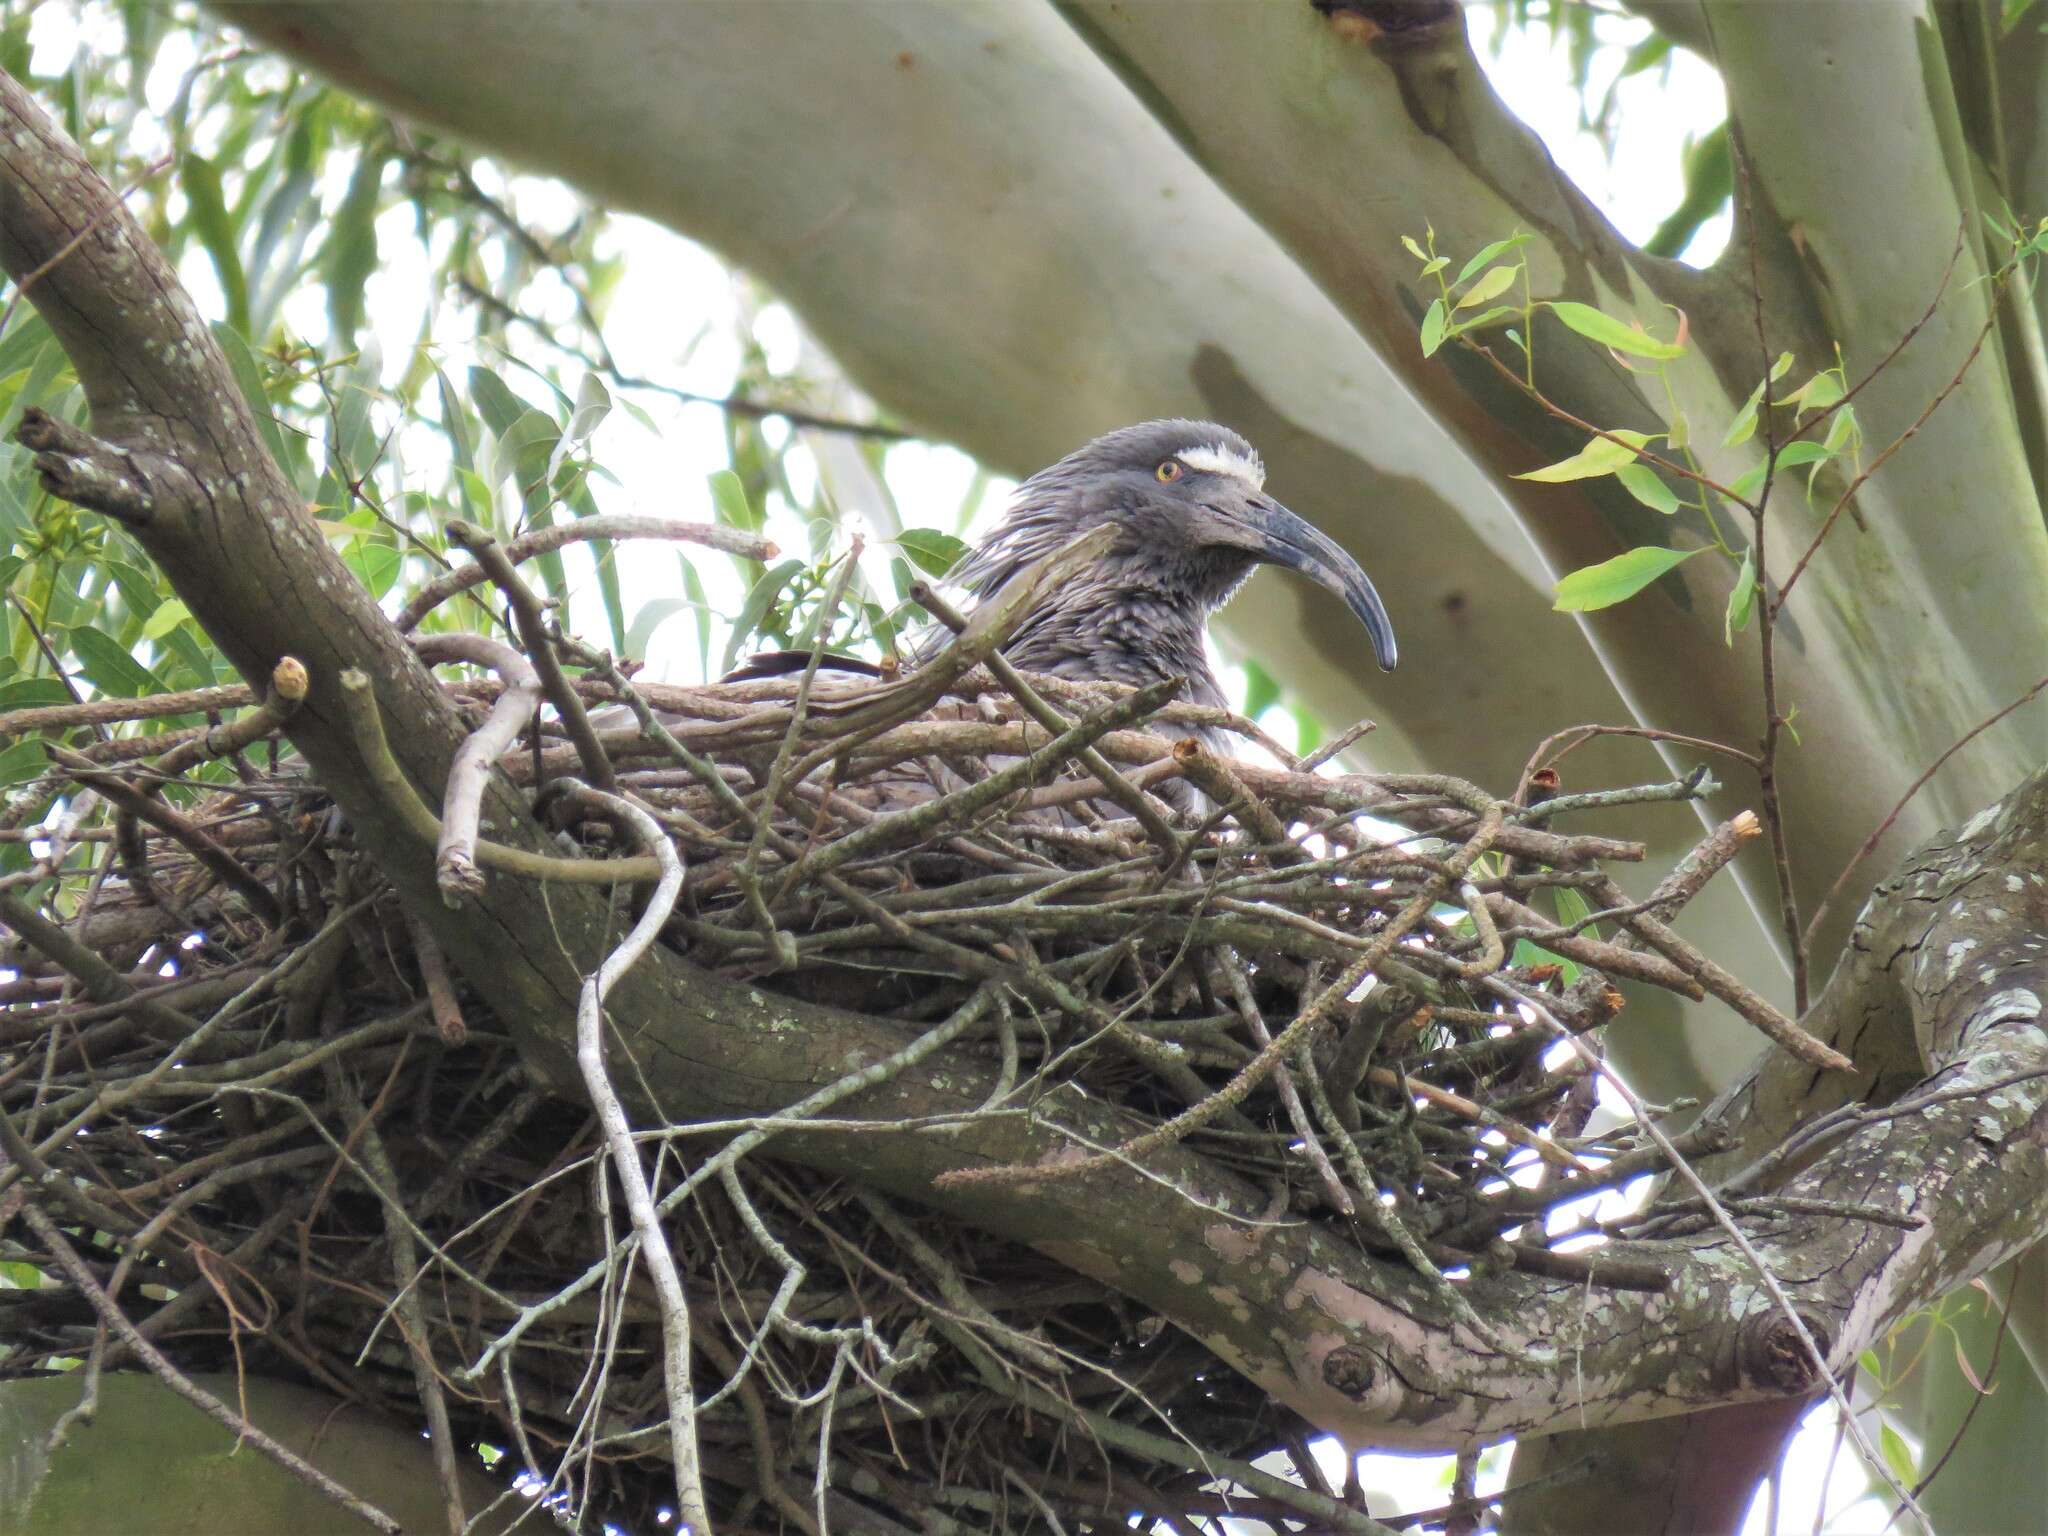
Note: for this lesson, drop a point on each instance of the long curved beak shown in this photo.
(1284, 539)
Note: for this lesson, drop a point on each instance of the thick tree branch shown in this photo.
(1446, 151)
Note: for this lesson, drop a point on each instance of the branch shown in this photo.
(618, 1136)
(68, 1260)
(611, 525)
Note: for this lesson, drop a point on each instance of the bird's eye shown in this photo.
(1170, 470)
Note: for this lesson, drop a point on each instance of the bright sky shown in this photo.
(674, 313)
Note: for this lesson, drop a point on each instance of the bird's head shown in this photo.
(1189, 498)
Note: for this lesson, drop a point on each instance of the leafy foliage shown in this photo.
(282, 200)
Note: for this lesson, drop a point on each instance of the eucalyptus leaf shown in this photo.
(1601, 456)
(1741, 601)
(936, 553)
(762, 598)
(1488, 253)
(1616, 580)
(109, 667)
(1648, 487)
(1490, 286)
(210, 222)
(1433, 327)
(1597, 325)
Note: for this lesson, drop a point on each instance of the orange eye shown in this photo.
(1170, 470)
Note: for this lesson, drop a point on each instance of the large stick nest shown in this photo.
(348, 1118)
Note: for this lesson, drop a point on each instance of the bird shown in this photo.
(1193, 521)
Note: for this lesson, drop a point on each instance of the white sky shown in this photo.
(672, 315)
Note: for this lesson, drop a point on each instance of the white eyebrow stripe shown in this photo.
(1221, 459)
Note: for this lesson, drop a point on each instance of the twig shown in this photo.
(1726, 986)
(288, 684)
(1118, 787)
(1722, 1219)
(1299, 1033)
(780, 944)
(359, 699)
(692, 1510)
(1343, 741)
(1707, 859)
(1870, 843)
(68, 1260)
(455, 867)
(1283, 1080)
(540, 651)
(441, 1000)
(174, 823)
(1784, 592)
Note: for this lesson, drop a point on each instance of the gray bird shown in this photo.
(1189, 498)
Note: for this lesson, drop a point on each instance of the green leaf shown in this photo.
(693, 588)
(934, 552)
(1743, 427)
(22, 761)
(1599, 457)
(1572, 908)
(1595, 325)
(1647, 54)
(249, 378)
(1817, 393)
(1433, 327)
(1616, 580)
(24, 339)
(182, 647)
(32, 693)
(169, 614)
(1842, 429)
(1485, 256)
(653, 614)
(1804, 451)
(1483, 319)
(593, 404)
(15, 1275)
(495, 401)
(606, 555)
(522, 451)
(210, 221)
(1709, 186)
(1742, 601)
(1413, 249)
(138, 587)
(377, 565)
(1897, 1454)
(109, 667)
(1791, 456)
(1435, 265)
(350, 255)
(756, 607)
(1781, 367)
(455, 422)
(729, 502)
(1308, 730)
(1644, 483)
